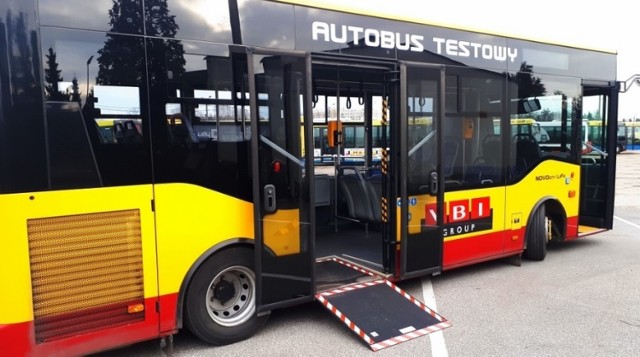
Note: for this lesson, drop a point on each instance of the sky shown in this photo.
(610, 25)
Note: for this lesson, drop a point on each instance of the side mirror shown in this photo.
(526, 106)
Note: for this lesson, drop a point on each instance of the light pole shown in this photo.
(87, 94)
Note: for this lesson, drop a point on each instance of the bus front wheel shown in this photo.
(220, 303)
(537, 235)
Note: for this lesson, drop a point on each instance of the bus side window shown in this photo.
(491, 151)
(70, 154)
(527, 152)
(487, 167)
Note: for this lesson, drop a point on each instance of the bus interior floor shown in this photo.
(352, 244)
(333, 273)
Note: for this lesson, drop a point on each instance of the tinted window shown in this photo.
(472, 132)
(267, 24)
(544, 121)
(564, 60)
(123, 16)
(23, 165)
(201, 116)
(111, 69)
(71, 160)
(422, 108)
(201, 20)
(206, 20)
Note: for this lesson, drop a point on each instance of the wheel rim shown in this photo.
(231, 296)
(548, 224)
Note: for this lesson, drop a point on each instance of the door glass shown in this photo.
(595, 209)
(423, 241)
(420, 135)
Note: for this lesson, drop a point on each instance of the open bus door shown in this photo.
(421, 195)
(351, 283)
(282, 160)
(597, 186)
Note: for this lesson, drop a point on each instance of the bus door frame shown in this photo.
(608, 90)
(289, 278)
(390, 90)
(421, 253)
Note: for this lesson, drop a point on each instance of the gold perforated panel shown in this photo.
(86, 271)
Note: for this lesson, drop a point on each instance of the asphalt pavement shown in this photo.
(582, 300)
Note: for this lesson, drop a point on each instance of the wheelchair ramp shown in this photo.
(381, 313)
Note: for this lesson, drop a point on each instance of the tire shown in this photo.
(220, 302)
(537, 236)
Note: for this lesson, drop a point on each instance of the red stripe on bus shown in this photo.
(467, 251)
(464, 251)
(16, 339)
(168, 312)
(19, 339)
(572, 228)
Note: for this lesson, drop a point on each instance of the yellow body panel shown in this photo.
(281, 232)
(16, 209)
(191, 220)
(588, 230)
(551, 179)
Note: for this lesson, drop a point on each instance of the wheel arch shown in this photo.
(216, 249)
(555, 211)
(558, 215)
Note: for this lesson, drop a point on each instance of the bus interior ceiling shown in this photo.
(348, 193)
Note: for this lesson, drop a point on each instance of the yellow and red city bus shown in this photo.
(629, 134)
(208, 211)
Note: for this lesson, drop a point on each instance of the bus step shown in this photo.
(382, 314)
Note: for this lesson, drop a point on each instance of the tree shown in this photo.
(123, 60)
(167, 55)
(528, 84)
(24, 63)
(52, 77)
(75, 90)
(545, 115)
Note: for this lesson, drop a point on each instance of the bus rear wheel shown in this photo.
(220, 305)
(537, 235)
